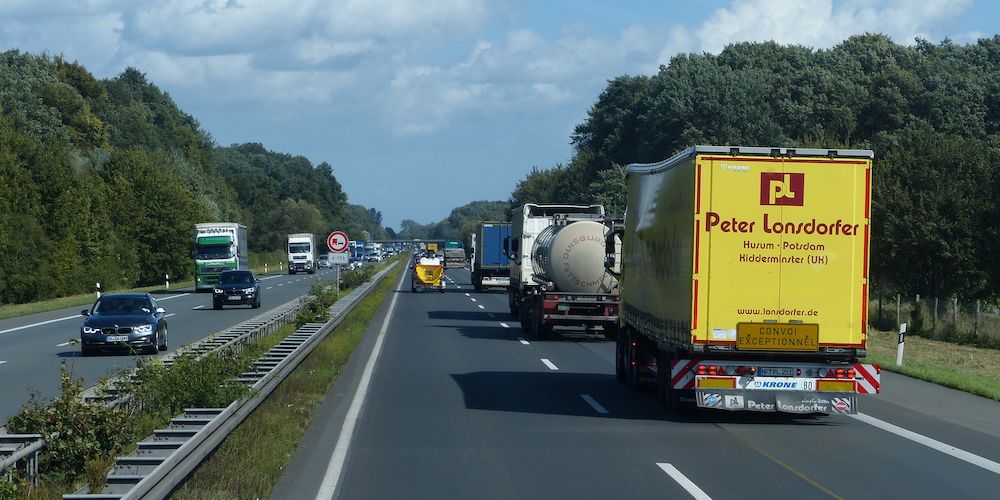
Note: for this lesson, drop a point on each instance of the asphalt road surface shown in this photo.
(462, 405)
(32, 347)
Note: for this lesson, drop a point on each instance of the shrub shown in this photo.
(86, 430)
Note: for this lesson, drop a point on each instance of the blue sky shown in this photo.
(425, 105)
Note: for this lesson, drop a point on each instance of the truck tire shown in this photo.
(511, 304)
(522, 316)
(539, 330)
(621, 349)
(633, 358)
(664, 389)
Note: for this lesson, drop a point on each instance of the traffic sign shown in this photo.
(340, 258)
(337, 242)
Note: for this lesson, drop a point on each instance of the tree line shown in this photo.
(103, 181)
(459, 224)
(931, 113)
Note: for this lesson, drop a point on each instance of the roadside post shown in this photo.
(98, 289)
(901, 344)
(166, 278)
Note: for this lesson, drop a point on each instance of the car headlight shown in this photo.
(248, 290)
(90, 329)
(143, 329)
(218, 290)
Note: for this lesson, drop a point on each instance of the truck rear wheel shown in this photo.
(539, 329)
(620, 356)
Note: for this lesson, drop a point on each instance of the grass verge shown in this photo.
(241, 467)
(971, 369)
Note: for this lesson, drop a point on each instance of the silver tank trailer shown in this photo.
(571, 256)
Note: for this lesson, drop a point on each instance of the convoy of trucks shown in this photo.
(557, 273)
(303, 255)
(490, 263)
(218, 247)
(737, 279)
(744, 279)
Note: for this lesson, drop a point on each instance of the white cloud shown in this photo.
(523, 71)
(823, 23)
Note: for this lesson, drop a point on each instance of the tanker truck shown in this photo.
(744, 279)
(557, 273)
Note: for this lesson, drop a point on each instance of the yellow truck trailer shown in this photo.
(744, 279)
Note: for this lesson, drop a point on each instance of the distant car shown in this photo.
(324, 261)
(236, 287)
(123, 322)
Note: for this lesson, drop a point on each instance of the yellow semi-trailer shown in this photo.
(744, 279)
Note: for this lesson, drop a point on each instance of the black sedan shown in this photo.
(131, 322)
(236, 287)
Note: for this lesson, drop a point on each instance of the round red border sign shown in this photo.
(337, 242)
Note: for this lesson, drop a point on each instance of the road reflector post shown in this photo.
(901, 344)
(265, 268)
(98, 289)
(166, 277)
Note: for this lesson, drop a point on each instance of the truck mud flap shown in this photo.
(776, 401)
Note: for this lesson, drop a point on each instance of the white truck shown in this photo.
(302, 253)
(218, 247)
(557, 272)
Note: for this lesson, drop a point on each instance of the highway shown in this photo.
(461, 404)
(32, 347)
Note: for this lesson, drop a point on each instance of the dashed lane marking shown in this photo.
(64, 344)
(521, 340)
(172, 297)
(481, 306)
(549, 364)
(505, 325)
(169, 315)
(197, 307)
(685, 483)
(594, 404)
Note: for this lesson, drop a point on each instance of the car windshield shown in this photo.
(298, 248)
(235, 279)
(122, 306)
(206, 252)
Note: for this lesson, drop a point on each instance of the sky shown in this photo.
(422, 106)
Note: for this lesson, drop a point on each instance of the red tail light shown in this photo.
(554, 297)
(841, 373)
(702, 370)
(713, 370)
(851, 373)
(741, 370)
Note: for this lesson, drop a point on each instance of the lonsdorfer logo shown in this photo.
(778, 188)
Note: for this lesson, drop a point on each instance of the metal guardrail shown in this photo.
(163, 460)
(17, 447)
(234, 337)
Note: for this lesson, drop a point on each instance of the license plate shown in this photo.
(116, 338)
(776, 372)
(777, 337)
(235, 297)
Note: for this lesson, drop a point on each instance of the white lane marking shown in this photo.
(505, 325)
(525, 342)
(467, 294)
(64, 344)
(2, 362)
(281, 284)
(197, 307)
(40, 323)
(172, 297)
(472, 299)
(328, 487)
(947, 449)
(481, 306)
(169, 315)
(594, 404)
(549, 364)
(268, 288)
(685, 483)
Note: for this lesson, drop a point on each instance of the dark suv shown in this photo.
(236, 287)
(124, 321)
